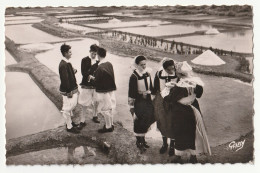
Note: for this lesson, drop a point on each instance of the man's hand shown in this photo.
(90, 77)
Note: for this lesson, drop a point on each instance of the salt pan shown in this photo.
(35, 47)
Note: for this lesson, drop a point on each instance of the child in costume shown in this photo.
(68, 88)
(105, 90)
(139, 100)
(87, 96)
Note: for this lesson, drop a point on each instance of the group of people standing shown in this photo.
(97, 88)
(170, 101)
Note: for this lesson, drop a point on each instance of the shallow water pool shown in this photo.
(163, 30)
(25, 33)
(237, 41)
(28, 109)
(126, 24)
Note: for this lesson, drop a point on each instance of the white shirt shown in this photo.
(93, 61)
(162, 81)
(103, 60)
(65, 59)
(141, 83)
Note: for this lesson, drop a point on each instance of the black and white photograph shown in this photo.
(150, 84)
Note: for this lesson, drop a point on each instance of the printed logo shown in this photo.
(236, 145)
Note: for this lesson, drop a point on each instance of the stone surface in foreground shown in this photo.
(62, 155)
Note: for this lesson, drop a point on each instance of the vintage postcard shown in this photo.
(150, 84)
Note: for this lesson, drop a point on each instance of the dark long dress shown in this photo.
(184, 121)
(143, 107)
(163, 118)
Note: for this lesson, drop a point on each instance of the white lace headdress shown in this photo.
(185, 69)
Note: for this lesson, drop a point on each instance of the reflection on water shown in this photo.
(239, 33)
(14, 22)
(23, 34)
(73, 154)
(122, 24)
(162, 30)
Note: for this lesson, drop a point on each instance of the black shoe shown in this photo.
(146, 146)
(171, 151)
(141, 147)
(145, 143)
(163, 148)
(193, 159)
(74, 124)
(95, 119)
(81, 125)
(73, 130)
(104, 129)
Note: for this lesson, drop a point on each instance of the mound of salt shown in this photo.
(212, 31)
(114, 20)
(36, 47)
(208, 58)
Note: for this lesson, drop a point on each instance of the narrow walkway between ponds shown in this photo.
(25, 34)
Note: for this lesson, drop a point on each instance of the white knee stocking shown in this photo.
(107, 118)
(94, 108)
(83, 115)
(67, 117)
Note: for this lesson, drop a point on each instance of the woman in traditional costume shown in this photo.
(141, 107)
(188, 126)
(164, 78)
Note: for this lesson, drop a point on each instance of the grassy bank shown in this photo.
(48, 26)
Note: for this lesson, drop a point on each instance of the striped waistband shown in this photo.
(72, 92)
(87, 87)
